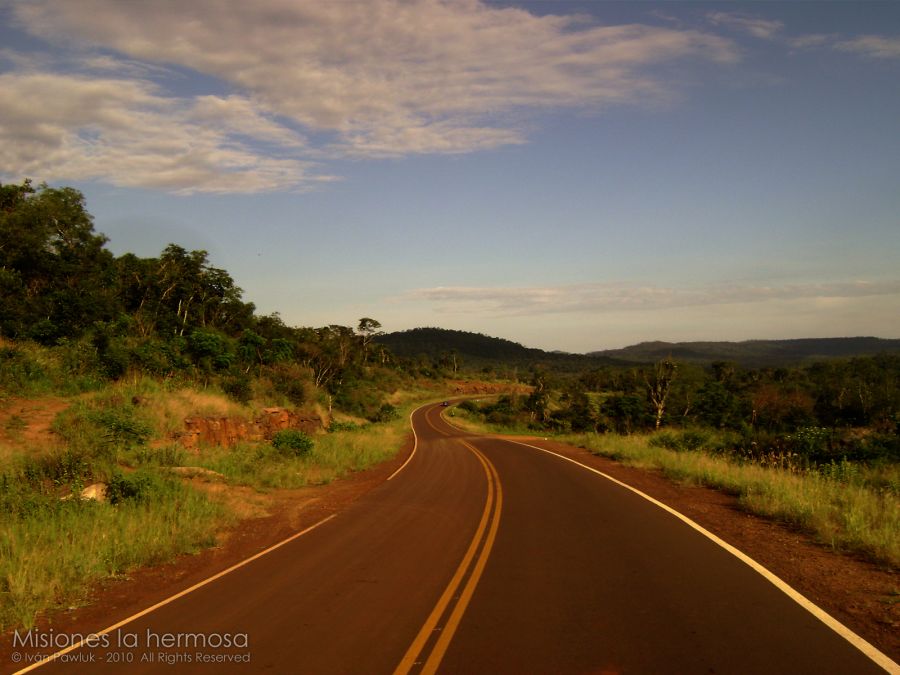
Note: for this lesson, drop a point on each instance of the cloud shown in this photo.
(872, 46)
(612, 297)
(764, 29)
(60, 127)
(371, 78)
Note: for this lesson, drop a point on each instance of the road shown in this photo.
(483, 556)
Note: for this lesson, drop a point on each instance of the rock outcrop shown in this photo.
(228, 431)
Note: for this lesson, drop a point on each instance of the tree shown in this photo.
(658, 386)
(56, 276)
(369, 329)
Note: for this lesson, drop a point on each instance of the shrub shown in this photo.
(238, 388)
(139, 486)
(292, 442)
(386, 413)
(469, 406)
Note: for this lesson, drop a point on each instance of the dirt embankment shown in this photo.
(475, 387)
(228, 431)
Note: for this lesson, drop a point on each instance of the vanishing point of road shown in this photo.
(483, 555)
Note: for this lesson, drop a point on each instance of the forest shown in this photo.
(172, 316)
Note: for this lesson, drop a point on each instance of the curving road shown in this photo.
(484, 556)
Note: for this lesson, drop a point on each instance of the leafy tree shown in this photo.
(56, 276)
(368, 329)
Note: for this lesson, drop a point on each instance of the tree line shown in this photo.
(840, 408)
(171, 315)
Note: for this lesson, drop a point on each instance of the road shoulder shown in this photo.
(863, 596)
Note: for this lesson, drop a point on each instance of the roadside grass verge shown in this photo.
(52, 550)
(853, 510)
(333, 455)
(55, 546)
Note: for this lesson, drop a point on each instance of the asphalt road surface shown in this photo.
(484, 556)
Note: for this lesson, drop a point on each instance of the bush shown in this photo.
(292, 442)
(238, 388)
(121, 427)
(469, 406)
(139, 486)
(386, 413)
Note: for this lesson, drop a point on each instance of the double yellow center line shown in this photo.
(427, 650)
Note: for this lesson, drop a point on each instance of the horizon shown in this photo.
(650, 342)
(573, 176)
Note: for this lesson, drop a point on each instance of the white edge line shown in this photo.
(861, 644)
(173, 598)
(415, 441)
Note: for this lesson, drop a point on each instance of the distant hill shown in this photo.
(434, 342)
(755, 353)
(478, 349)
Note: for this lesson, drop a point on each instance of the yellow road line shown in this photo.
(412, 654)
(440, 647)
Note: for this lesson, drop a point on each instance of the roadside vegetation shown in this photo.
(816, 447)
(129, 348)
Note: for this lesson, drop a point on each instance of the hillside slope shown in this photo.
(755, 352)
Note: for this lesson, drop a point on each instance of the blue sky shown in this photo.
(572, 176)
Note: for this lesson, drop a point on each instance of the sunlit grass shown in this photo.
(50, 556)
(333, 456)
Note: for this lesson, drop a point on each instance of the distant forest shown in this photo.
(178, 316)
(172, 316)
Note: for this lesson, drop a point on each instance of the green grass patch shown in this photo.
(53, 550)
(331, 456)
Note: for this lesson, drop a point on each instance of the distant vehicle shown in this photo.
(445, 403)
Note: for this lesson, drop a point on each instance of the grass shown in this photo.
(52, 551)
(845, 509)
(54, 547)
(333, 455)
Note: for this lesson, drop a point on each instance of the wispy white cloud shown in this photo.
(764, 29)
(124, 132)
(872, 46)
(612, 297)
(368, 78)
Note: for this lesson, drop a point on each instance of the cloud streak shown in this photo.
(612, 297)
(125, 133)
(374, 78)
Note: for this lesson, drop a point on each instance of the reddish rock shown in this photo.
(228, 431)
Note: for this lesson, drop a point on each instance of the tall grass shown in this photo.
(334, 455)
(860, 515)
(55, 546)
(53, 550)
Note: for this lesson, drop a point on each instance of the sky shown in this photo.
(572, 176)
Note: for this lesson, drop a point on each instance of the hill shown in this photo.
(476, 349)
(755, 353)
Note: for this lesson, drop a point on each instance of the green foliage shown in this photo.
(386, 413)
(120, 426)
(292, 442)
(238, 388)
(337, 426)
(140, 486)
